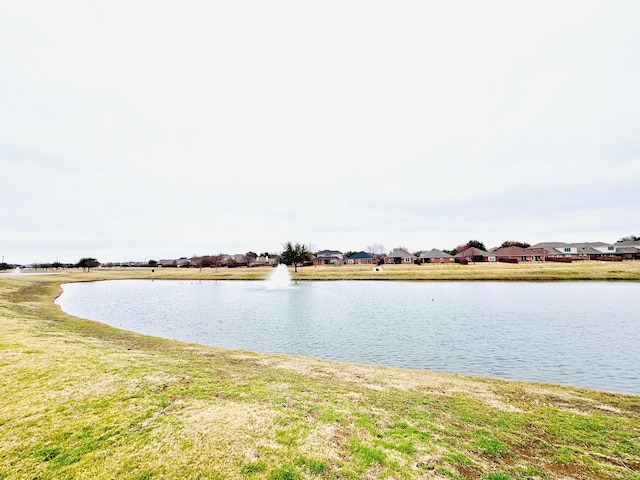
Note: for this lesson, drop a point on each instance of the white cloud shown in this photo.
(241, 126)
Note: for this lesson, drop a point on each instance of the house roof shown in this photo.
(588, 249)
(361, 255)
(629, 243)
(553, 247)
(472, 252)
(595, 244)
(512, 251)
(328, 252)
(397, 253)
(435, 253)
(628, 249)
(581, 247)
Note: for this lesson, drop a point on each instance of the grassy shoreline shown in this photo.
(84, 400)
(544, 271)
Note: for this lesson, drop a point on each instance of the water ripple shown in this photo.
(578, 333)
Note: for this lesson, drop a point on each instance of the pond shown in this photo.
(574, 333)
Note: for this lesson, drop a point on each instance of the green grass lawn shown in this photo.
(84, 400)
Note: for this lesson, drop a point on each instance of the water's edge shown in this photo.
(484, 335)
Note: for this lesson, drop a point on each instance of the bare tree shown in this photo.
(216, 260)
(376, 249)
(251, 258)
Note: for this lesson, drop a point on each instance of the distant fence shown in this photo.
(609, 259)
(559, 259)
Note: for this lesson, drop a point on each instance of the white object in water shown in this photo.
(279, 278)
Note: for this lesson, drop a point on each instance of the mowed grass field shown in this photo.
(541, 271)
(81, 400)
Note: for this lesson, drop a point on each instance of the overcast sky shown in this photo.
(136, 130)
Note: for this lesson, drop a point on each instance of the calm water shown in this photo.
(576, 333)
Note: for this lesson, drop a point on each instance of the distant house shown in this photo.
(558, 250)
(628, 250)
(436, 256)
(236, 260)
(474, 255)
(361, 258)
(265, 261)
(596, 251)
(515, 254)
(328, 257)
(400, 257)
(512, 254)
(578, 251)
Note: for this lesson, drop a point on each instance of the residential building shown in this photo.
(628, 250)
(558, 250)
(328, 257)
(399, 257)
(596, 251)
(265, 261)
(515, 254)
(578, 251)
(361, 258)
(436, 256)
(474, 255)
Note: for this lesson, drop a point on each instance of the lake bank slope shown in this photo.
(84, 400)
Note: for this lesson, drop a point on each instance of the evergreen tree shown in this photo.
(476, 244)
(294, 255)
(87, 263)
(513, 243)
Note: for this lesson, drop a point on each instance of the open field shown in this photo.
(84, 400)
(543, 271)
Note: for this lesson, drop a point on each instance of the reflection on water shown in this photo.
(577, 333)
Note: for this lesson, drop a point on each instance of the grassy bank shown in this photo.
(546, 271)
(83, 400)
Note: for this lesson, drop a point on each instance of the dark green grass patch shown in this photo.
(365, 454)
(312, 465)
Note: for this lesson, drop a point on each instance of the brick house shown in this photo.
(361, 258)
(628, 249)
(515, 254)
(400, 257)
(473, 255)
(436, 256)
(558, 250)
(328, 257)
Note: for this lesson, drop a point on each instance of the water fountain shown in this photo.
(280, 278)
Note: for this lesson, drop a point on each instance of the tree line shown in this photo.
(86, 263)
(293, 254)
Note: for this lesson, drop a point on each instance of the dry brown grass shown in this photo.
(83, 400)
(545, 271)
